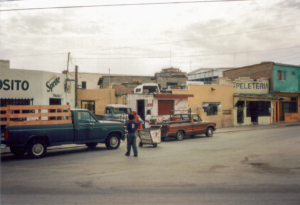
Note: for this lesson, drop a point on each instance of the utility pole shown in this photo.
(68, 64)
(76, 85)
(109, 87)
(66, 86)
(170, 58)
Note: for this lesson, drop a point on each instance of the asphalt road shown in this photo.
(247, 167)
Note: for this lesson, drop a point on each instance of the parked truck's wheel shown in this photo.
(179, 136)
(91, 145)
(18, 151)
(113, 141)
(140, 144)
(37, 149)
(209, 132)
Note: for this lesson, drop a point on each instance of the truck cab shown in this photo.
(115, 112)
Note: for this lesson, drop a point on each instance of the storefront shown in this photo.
(287, 110)
(161, 105)
(27, 87)
(251, 99)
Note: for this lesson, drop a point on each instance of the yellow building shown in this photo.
(95, 100)
(211, 102)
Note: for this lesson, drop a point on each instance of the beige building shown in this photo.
(95, 100)
(211, 102)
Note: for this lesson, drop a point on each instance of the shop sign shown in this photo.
(251, 87)
(292, 117)
(52, 83)
(57, 95)
(149, 103)
(14, 84)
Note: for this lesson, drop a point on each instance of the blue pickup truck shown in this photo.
(84, 129)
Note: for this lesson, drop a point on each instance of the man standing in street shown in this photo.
(131, 137)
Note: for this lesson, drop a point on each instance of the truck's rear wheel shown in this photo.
(113, 141)
(179, 136)
(37, 149)
(209, 132)
(18, 151)
(91, 145)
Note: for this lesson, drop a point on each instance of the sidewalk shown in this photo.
(219, 130)
(255, 127)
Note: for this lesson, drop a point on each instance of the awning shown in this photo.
(255, 97)
(172, 95)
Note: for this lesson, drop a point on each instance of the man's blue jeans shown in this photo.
(131, 141)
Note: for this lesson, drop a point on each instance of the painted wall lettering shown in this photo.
(52, 83)
(251, 86)
(14, 85)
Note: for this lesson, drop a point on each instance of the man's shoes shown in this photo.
(127, 154)
(135, 155)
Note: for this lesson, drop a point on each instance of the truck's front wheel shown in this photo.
(113, 141)
(37, 149)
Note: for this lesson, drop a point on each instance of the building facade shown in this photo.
(28, 87)
(211, 102)
(251, 100)
(284, 81)
(161, 105)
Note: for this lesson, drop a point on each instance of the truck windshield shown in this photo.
(122, 110)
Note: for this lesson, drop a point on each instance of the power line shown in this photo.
(197, 54)
(289, 59)
(137, 4)
(162, 42)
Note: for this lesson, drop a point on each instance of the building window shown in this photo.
(89, 105)
(258, 108)
(165, 107)
(211, 108)
(281, 75)
(83, 85)
(293, 73)
(291, 107)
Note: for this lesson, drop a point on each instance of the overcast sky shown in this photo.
(143, 39)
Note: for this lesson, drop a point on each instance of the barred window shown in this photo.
(211, 108)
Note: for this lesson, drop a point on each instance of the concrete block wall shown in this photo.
(262, 70)
(126, 79)
(162, 81)
(4, 64)
(124, 89)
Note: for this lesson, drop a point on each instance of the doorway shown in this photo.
(240, 111)
(253, 111)
(54, 101)
(141, 109)
(281, 111)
